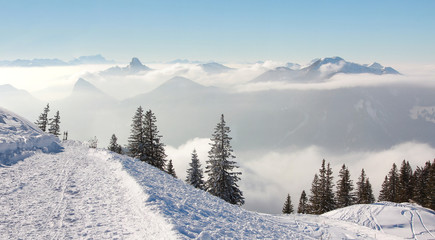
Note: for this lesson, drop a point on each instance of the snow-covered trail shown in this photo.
(77, 194)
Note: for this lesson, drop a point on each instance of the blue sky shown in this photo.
(225, 31)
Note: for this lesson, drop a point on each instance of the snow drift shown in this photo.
(19, 137)
(401, 219)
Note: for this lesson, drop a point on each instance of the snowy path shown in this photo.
(76, 194)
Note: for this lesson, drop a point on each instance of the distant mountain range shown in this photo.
(345, 119)
(321, 69)
(42, 62)
(134, 67)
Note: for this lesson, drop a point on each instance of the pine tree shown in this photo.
(222, 180)
(384, 194)
(364, 193)
(194, 173)
(405, 184)
(344, 194)
(114, 146)
(136, 140)
(370, 198)
(431, 186)
(55, 125)
(322, 199)
(422, 188)
(154, 149)
(170, 169)
(393, 184)
(328, 198)
(42, 121)
(315, 197)
(303, 203)
(288, 207)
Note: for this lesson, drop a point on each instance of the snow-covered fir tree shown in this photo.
(136, 138)
(154, 148)
(55, 125)
(170, 169)
(42, 121)
(113, 145)
(344, 194)
(194, 173)
(288, 206)
(303, 203)
(222, 179)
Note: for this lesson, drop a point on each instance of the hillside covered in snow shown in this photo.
(406, 220)
(83, 192)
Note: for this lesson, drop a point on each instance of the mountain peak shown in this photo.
(333, 60)
(83, 85)
(214, 67)
(376, 65)
(135, 62)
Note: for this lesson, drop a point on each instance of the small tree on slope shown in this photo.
(194, 173)
(303, 203)
(114, 146)
(55, 125)
(42, 121)
(222, 180)
(170, 169)
(288, 207)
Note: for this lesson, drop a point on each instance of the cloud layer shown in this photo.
(269, 175)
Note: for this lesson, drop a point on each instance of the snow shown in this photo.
(401, 219)
(86, 193)
(77, 194)
(19, 138)
(93, 193)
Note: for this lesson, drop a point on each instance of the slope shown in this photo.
(96, 194)
(401, 219)
(19, 138)
(75, 195)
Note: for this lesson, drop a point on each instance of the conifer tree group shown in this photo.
(144, 142)
(114, 146)
(50, 125)
(404, 185)
(323, 198)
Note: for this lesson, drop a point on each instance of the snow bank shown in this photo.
(19, 138)
(401, 219)
(196, 214)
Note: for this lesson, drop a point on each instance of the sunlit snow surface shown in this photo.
(19, 138)
(86, 193)
(401, 219)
